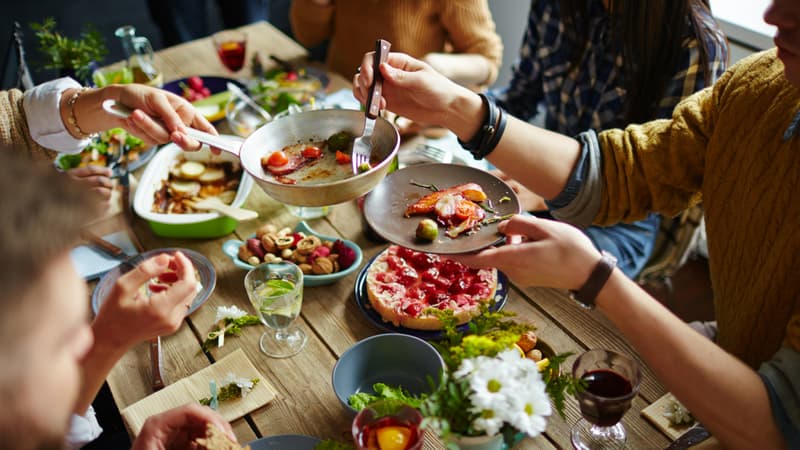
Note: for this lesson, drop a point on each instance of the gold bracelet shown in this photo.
(74, 121)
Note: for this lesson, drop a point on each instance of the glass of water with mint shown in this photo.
(276, 292)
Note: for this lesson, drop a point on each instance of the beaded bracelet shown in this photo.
(72, 119)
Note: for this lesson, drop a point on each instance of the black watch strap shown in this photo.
(586, 295)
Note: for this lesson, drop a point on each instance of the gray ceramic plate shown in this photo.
(206, 272)
(385, 206)
(285, 442)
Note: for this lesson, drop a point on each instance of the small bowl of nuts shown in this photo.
(323, 259)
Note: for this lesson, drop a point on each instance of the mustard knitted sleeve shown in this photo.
(471, 29)
(657, 166)
(311, 23)
(14, 134)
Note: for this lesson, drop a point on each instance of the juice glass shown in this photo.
(231, 46)
(388, 425)
(276, 292)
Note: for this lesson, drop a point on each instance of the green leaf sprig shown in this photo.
(61, 52)
(232, 328)
(228, 392)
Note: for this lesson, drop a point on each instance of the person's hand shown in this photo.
(129, 316)
(96, 179)
(177, 428)
(528, 199)
(411, 88)
(541, 252)
(160, 116)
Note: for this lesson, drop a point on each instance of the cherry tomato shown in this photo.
(195, 83)
(291, 76)
(168, 277)
(311, 152)
(156, 287)
(277, 159)
(342, 158)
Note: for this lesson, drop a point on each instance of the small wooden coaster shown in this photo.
(655, 414)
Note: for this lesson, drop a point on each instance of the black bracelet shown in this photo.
(480, 136)
(484, 151)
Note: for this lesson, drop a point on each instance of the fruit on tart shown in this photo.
(402, 284)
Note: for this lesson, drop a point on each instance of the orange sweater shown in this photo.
(416, 27)
(725, 146)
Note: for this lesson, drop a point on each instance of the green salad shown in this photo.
(103, 149)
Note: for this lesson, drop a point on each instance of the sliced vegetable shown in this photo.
(212, 175)
(192, 169)
(342, 158)
(311, 152)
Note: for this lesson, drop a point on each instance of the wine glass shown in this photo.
(388, 424)
(231, 46)
(612, 380)
(276, 292)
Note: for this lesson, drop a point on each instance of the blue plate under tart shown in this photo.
(362, 300)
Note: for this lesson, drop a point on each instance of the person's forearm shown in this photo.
(88, 110)
(724, 394)
(539, 159)
(96, 366)
(463, 68)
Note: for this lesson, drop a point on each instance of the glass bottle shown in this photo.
(140, 56)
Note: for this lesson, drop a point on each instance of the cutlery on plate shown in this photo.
(692, 436)
(362, 146)
(249, 101)
(215, 204)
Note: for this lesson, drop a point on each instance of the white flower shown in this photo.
(506, 389)
(229, 312)
(245, 384)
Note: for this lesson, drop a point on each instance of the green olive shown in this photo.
(427, 230)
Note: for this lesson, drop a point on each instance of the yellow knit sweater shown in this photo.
(14, 135)
(416, 27)
(724, 146)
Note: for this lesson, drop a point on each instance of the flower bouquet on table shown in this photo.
(491, 392)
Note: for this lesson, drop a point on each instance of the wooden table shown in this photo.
(333, 322)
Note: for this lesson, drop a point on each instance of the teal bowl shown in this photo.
(394, 359)
(231, 248)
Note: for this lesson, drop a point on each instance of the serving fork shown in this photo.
(362, 146)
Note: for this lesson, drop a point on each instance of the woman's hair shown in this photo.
(652, 33)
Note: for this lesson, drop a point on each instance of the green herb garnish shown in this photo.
(232, 328)
(360, 400)
(228, 392)
(330, 444)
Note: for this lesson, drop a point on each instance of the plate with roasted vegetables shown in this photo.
(105, 151)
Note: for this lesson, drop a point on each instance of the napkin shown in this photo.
(655, 414)
(92, 263)
(195, 387)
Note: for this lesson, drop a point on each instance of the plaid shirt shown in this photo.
(592, 97)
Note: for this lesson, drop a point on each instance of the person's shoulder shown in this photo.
(759, 69)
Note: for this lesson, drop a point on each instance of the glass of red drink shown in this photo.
(388, 425)
(612, 381)
(231, 46)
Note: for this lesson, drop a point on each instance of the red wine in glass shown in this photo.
(231, 46)
(610, 392)
(232, 54)
(612, 380)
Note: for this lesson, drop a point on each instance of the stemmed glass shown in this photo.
(231, 46)
(612, 380)
(276, 292)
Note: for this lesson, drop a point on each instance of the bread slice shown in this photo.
(216, 439)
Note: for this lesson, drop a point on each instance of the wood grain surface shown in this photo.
(305, 402)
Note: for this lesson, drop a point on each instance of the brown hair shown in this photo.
(42, 214)
(652, 34)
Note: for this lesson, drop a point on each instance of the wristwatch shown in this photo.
(586, 295)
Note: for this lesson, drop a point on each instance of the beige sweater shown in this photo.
(14, 135)
(725, 146)
(416, 27)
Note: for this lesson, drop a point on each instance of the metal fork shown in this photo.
(362, 146)
(434, 153)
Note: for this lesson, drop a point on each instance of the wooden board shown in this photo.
(196, 386)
